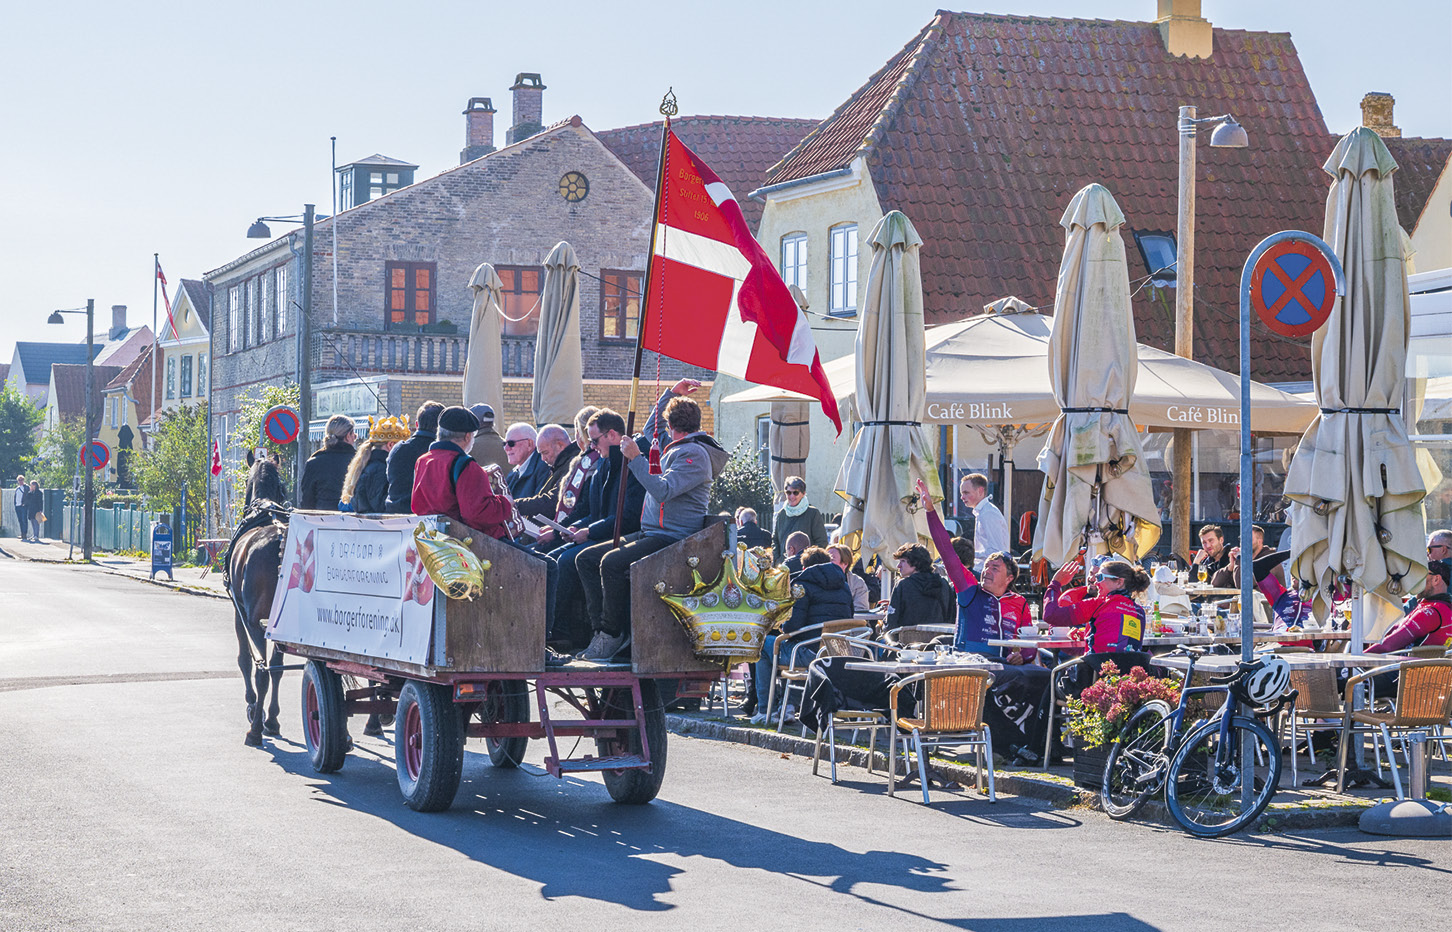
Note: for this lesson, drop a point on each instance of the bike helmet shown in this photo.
(1265, 680)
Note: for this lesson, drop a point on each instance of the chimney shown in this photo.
(118, 320)
(1376, 114)
(1183, 30)
(528, 106)
(478, 129)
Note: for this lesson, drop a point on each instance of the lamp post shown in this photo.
(1227, 134)
(87, 535)
(259, 230)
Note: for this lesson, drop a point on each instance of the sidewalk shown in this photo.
(195, 580)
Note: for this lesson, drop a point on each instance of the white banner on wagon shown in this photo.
(355, 585)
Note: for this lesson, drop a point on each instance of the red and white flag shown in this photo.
(715, 300)
(216, 458)
(161, 277)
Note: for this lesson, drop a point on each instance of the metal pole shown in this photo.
(90, 505)
(1247, 459)
(155, 340)
(1184, 326)
(304, 358)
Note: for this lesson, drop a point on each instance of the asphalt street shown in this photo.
(128, 801)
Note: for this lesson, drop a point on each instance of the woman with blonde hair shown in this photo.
(365, 486)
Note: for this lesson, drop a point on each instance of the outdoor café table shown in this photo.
(1175, 640)
(1220, 665)
(1210, 592)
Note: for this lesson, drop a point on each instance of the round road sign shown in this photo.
(1292, 288)
(95, 455)
(280, 425)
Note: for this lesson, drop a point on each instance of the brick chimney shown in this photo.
(528, 107)
(118, 320)
(478, 129)
(1376, 114)
(1183, 30)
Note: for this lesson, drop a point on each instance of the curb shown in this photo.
(168, 584)
(1058, 791)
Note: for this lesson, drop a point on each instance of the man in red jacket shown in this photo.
(1430, 623)
(447, 482)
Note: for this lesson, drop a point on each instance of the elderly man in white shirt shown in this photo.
(990, 534)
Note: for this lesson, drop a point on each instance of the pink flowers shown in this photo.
(1102, 709)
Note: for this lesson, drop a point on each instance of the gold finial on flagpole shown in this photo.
(668, 106)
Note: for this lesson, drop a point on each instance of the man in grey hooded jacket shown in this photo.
(676, 502)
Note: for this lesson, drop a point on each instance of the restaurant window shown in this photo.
(201, 374)
(186, 376)
(794, 260)
(281, 277)
(619, 305)
(410, 293)
(522, 289)
(234, 318)
(171, 377)
(842, 296)
(1158, 252)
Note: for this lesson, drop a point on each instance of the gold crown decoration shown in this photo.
(450, 563)
(389, 428)
(728, 619)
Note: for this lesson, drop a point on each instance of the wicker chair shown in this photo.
(1318, 707)
(1424, 703)
(854, 720)
(951, 712)
(791, 670)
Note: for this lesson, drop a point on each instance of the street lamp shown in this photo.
(259, 230)
(87, 535)
(1227, 134)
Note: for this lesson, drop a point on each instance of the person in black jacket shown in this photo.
(365, 488)
(321, 486)
(594, 521)
(821, 594)
(557, 450)
(401, 459)
(921, 596)
(748, 531)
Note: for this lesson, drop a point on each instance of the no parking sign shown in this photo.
(95, 455)
(1293, 285)
(281, 425)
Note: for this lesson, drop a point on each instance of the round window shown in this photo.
(574, 187)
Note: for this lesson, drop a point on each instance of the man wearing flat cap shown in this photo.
(447, 482)
(488, 445)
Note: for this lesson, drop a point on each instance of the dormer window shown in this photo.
(1158, 252)
(371, 178)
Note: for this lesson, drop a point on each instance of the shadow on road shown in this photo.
(1305, 844)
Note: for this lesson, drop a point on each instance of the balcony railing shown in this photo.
(348, 353)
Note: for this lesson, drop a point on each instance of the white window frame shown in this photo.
(234, 318)
(264, 323)
(842, 270)
(794, 262)
(201, 375)
(280, 279)
(249, 335)
(186, 376)
(170, 378)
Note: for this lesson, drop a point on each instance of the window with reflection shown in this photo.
(410, 293)
(619, 305)
(523, 287)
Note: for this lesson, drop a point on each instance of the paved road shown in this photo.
(129, 802)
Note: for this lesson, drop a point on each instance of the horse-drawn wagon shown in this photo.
(355, 599)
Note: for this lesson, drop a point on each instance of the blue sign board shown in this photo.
(161, 550)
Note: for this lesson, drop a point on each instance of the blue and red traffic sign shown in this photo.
(1292, 287)
(95, 455)
(281, 424)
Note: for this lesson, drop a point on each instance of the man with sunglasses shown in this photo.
(530, 472)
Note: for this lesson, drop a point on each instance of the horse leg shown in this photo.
(271, 726)
(244, 662)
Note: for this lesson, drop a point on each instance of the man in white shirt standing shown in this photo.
(990, 534)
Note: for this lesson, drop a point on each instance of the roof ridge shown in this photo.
(916, 62)
(744, 118)
(1087, 21)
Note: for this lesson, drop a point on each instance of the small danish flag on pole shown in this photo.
(714, 298)
(216, 458)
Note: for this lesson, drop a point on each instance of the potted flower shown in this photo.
(1096, 715)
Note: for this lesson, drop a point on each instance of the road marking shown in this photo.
(45, 682)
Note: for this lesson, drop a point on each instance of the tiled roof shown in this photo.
(70, 387)
(738, 148)
(137, 381)
(37, 358)
(983, 127)
(378, 159)
(1420, 162)
(200, 294)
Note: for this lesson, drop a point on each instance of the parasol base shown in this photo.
(1411, 818)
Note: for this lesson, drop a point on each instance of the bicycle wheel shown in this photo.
(1135, 768)
(1207, 788)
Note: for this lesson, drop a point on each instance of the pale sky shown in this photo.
(156, 126)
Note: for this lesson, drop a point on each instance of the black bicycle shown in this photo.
(1217, 775)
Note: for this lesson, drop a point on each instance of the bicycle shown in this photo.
(1202, 770)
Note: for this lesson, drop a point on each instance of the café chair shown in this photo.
(789, 668)
(910, 636)
(854, 720)
(1317, 707)
(950, 712)
(1423, 704)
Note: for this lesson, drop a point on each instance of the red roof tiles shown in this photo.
(70, 388)
(738, 148)
(1420, 162)
(983, 127)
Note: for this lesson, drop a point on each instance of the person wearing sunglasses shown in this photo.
(797, 515)
(1112, 620)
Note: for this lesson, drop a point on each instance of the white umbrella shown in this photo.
(892, 449)
(1354, 484)
(1094, 468)
(559, 385)
(789, 438)
(484, 363)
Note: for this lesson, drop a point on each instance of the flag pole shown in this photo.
(668, 109)
(155, 345)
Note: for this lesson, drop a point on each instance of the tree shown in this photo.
(248, 435)
(18, 421)
(57, 457)
(743, 482)
(177, 460)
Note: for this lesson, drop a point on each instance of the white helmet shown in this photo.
(1266, 680)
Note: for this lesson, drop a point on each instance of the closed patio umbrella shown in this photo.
(1354, 484)
(1095, 474)
(559, 385)
(484, 364)
(789, 438)
(892, 449)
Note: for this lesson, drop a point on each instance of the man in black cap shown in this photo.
(488, 445)
(447, 482)
(403, 458)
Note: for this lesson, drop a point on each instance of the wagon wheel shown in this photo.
(325, 724)
(506, 702)
(634, 787)
(428, 746)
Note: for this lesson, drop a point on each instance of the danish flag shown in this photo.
(714, 299)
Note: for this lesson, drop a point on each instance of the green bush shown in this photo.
(743, 483)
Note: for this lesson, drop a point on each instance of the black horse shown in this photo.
(251, 568)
